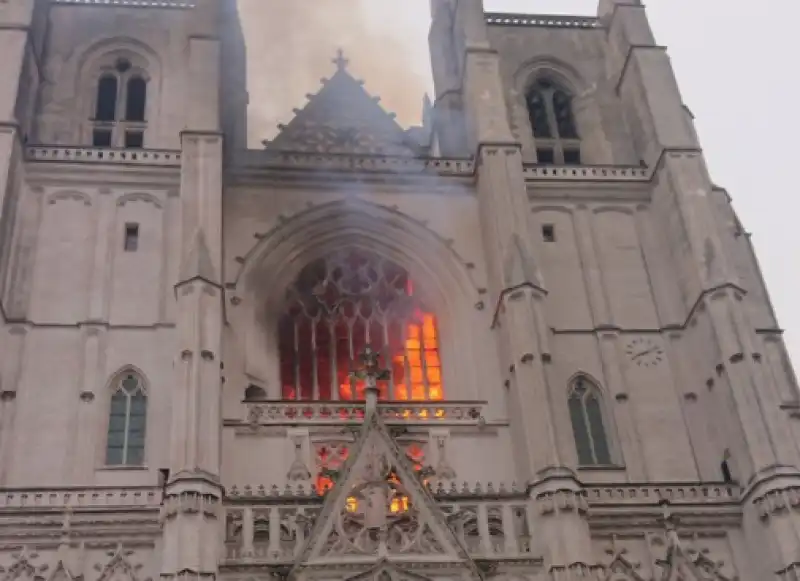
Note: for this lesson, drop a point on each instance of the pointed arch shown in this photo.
(127, 419)
(115, 77)
(442, 280)
(356, 222)
(589, 421)
(548, 88)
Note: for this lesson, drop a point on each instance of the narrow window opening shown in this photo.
(127, 423)
(549, 233)
(101, 138)
(136, 99)
(572, 157)
(131, 237)
(545, 155)
(106, 106)
(134, 139)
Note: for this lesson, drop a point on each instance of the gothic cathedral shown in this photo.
(527, 340)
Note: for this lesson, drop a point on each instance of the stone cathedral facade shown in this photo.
(527, 340)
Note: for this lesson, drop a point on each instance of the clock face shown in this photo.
(644, 352)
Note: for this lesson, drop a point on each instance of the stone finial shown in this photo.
(340, 61)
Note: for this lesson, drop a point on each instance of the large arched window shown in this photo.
(553, 124)
(588, 427)
(127, 421)
(119, 108)
(337, 306)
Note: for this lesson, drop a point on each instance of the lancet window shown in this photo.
(336, 307)
(588, 427)
(119, 107)
(127, 422)
(553, 124)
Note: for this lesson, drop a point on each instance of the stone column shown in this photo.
(193, 494)
(21, 76)
(520, 296)
(763, 453)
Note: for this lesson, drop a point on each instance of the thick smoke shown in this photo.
(291, 43)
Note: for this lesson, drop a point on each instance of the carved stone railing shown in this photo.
(541, 20)
(273, 529)
(77, 498)
(625, 495)
(257, 160)
(585, 173)
(130, 3)
(326, 413)
(96, 155)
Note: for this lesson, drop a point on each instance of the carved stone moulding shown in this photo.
(326, 413)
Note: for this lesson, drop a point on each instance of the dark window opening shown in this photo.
(101, 138)
(131, 237)
(549, 233)
(136, 99)
(562, 110)
(572, 157)
(134, 139)
(537, 110)
(545, 155)
(106, 107)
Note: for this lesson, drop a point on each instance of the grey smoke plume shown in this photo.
(291, 43)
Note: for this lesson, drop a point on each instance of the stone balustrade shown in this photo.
(273, 529)
(257, 160)
(609, 495)
(541, 20)
(105, 155)
(327, 413)
(130, 3)
(585, 173)
(79, 498)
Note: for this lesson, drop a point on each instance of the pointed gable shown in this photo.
(342, 118)
(379, 509)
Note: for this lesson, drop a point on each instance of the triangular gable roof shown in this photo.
(681, 565)
(621, 566)
(342, 118)
(355, 520)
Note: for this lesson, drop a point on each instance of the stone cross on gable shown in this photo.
(340, 62)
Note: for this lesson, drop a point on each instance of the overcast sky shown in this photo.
(737, 69)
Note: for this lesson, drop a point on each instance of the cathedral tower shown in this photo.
(530, 341)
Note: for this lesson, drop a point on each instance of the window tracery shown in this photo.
(586, 414)
(127, 422)
(553, 123)
(335, 308)
(119, 106)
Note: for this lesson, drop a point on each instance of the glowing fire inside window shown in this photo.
(336, 307)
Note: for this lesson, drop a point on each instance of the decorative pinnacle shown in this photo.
(340, 61)
(370, 373)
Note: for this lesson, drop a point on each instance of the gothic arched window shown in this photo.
(119, 108)
(586, 413)
(553, 124)
(127, 421)
(340, 304)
